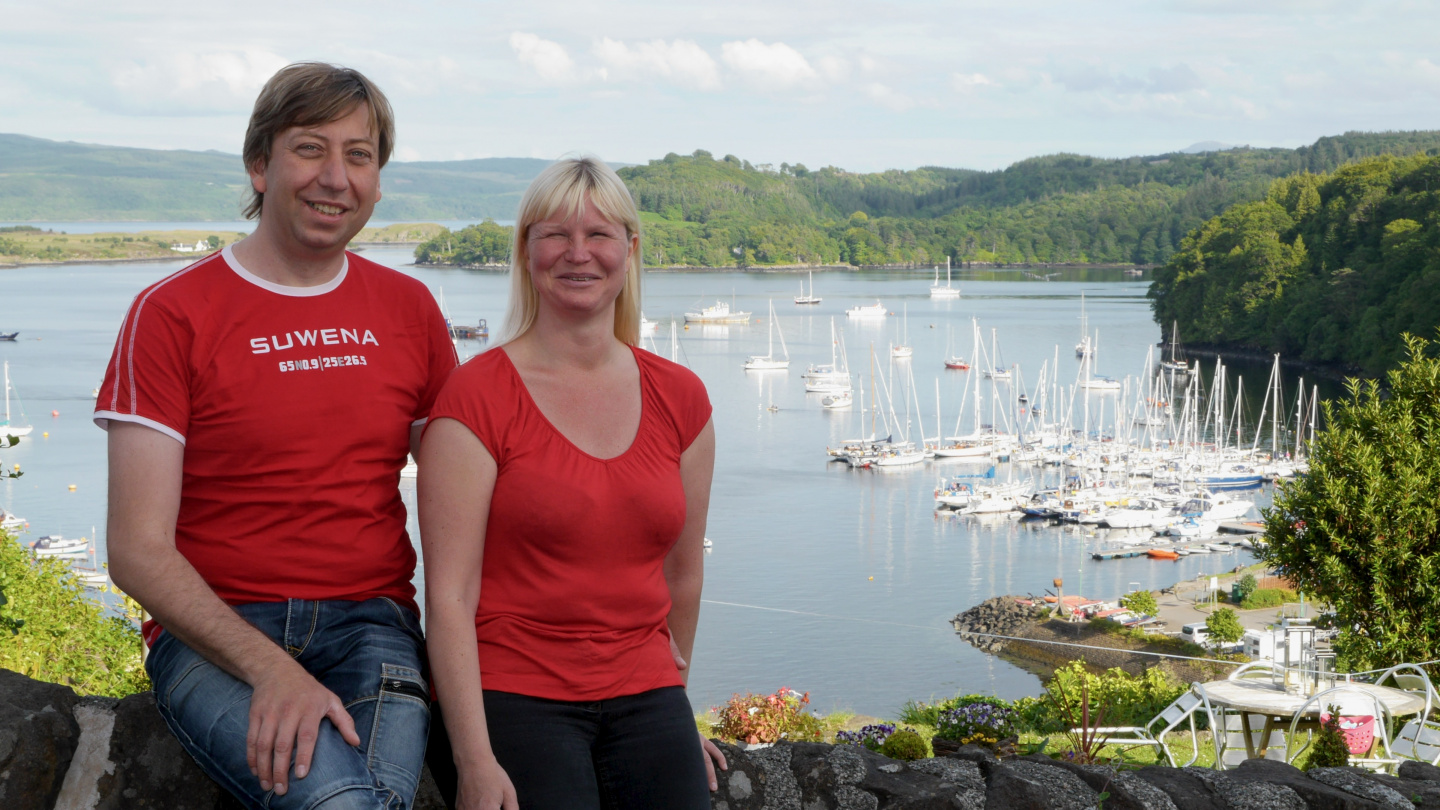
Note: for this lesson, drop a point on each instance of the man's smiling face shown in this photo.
(321, 184)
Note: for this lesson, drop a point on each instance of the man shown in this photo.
(260, 404)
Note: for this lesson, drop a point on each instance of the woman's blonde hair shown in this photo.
(565, 186)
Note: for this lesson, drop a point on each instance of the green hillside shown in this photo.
(43, 180)
(1329, 268)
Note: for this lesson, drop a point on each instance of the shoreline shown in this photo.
(1331, 371)
(796, 269)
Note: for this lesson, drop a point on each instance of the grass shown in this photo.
(37, 246)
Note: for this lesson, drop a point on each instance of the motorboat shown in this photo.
(11, 521)
(1162, 554)
(54, 545)
(957, 363)
(720, 313)
(837, 400)
(876, 311)
(647, 326)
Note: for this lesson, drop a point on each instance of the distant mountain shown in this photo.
(1206, 146)
(43, 180)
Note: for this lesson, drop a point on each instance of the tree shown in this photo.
(55, 633)
(1141, 602)
(1224, 626)
(213, 242)
(1361, 531)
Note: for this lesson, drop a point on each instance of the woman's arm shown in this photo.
(685, 564)
(455, 484)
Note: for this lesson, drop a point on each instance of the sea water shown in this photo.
(823, 579)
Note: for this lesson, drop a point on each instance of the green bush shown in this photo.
(1268, 598)
(1140, 602)
(55, 632)
(1329, 750)
(1245, 586)
(1130, 700)
(906, 745)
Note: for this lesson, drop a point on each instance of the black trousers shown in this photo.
(633, 752)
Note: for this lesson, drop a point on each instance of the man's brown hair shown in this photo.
(306, 94)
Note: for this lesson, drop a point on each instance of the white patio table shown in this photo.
(1264, 697)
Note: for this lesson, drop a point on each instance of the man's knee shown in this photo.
(359, 797)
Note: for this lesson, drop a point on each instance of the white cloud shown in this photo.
(833, 68)
(548, 59)
(887, 97)
(681, 62)
(193, 83)
(775, 65)
(968, 83)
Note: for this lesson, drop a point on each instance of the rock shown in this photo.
(1186, 790)
(1316, 795)
(1358, 782)
(38, 736)
(1126, 791)
(964, 778)
(1419, 771)
(1001, 615)
(1253, 795)
(742, 786)
(1029, 785)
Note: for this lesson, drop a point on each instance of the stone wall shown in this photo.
(61, 751)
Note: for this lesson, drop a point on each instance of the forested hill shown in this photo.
(1058, 208)
(1329, 268)
(42, 180)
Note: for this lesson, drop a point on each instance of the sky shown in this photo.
(863, 86)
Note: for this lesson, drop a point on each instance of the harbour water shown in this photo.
(824, 579)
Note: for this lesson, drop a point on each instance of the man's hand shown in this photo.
(285, 713)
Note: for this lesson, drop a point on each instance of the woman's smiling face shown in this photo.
(577, 262)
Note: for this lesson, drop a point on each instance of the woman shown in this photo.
(564, 482)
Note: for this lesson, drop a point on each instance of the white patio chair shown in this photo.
(1419, 738)
(1184, 708)
(1351, 699)
(1254, 669)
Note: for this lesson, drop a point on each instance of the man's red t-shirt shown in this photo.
(295, 406)
(573, 599)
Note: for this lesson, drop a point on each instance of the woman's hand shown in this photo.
(486, 787)
(713, 756)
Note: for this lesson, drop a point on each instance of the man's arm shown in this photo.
(287, 704)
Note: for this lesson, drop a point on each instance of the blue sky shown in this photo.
(861, 85)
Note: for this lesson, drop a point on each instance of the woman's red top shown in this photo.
(573, 599)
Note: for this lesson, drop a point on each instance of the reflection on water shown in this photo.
(835, 581)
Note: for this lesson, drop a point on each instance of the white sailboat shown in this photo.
(802, 298)
(647, 326)
(903, 349)
(6, 428)
(832, 377)
(1084, 348)
(936, 291)
(770, 362)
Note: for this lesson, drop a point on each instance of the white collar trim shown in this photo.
(282, 289)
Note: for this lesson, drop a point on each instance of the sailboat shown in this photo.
(1174, 363)
(876, 311)
(7, 429)
(1084, 348)
(802, 298)
(829, 377)
(903, 349)
(770, 361)
(954, 361)
(936, 291)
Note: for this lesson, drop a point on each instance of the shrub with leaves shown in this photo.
(1329, 749)
(984, 722)
(1244, 586)
(55, 632)
(906, 745)
(768, 718)
(1224, 626)
(1129, 700)
(1140, 602)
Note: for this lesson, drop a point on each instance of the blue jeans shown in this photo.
(370, 654)
(628, 753)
